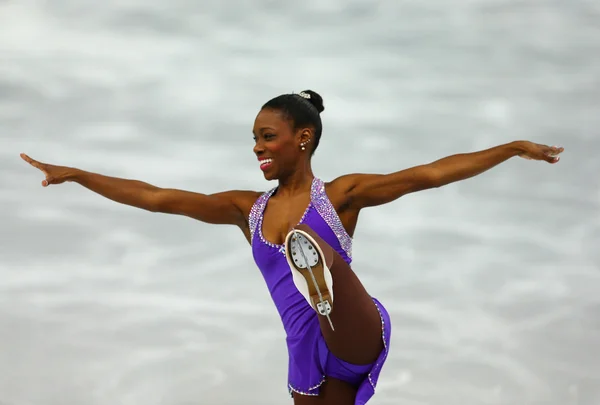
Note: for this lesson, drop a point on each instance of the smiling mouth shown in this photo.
(265, 163)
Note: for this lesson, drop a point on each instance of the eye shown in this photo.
(269, 136)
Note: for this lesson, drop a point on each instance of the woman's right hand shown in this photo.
(54, 174)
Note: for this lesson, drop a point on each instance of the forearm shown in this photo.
(130, 192)
(465, 165)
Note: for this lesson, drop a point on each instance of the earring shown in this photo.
(302, 145)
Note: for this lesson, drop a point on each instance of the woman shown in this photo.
(300, 233)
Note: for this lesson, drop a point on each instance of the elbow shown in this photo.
(156, 201)
(153, 208)
(432, 178)
(436, 181)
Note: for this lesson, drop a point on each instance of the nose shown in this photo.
(258, 148)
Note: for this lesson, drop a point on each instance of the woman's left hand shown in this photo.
(536, 151)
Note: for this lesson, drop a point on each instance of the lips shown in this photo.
(265, 163)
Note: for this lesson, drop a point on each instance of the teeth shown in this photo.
(265, 161)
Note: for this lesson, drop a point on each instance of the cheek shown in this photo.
(281, 148)
(276, 147)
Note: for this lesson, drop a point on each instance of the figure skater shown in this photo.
(300, 233)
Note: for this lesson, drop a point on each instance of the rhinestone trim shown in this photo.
(328, 213)
(256, 217)
(274, 245)
(257, 210)
(385, 348)
(319, 200)
(291, 389)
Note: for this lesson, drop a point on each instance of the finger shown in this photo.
(548, 154)
(49, 180)
(553, 150)
(26, 158)
(31, 161)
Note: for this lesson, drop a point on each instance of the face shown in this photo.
(277, 145)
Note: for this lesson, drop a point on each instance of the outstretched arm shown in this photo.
(231, 207)
(366, 190)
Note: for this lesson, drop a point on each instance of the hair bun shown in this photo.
(315, 99)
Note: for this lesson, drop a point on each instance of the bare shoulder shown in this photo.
(348, 182)
(340, 189)
(242, 199)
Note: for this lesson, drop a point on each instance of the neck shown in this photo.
(297, 182)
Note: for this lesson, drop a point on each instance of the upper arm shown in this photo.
(368, 190)
(229, 207)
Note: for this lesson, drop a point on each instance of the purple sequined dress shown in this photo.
(310, 361)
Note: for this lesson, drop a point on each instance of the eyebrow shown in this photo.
(264, 128)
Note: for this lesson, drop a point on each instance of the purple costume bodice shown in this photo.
(321, 216)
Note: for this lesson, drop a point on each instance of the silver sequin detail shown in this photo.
(257, 210)
(291, 389)
(274, 245)
(385, 348)
(324, 207)
(256, 217)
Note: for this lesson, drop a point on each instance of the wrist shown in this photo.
(73, 175)
(518, 147)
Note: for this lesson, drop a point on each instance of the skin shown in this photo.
(276, 138)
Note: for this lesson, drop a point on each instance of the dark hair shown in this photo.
(303, 109)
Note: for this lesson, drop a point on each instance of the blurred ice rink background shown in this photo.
(493, 283)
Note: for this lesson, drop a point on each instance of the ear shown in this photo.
(305, 137)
